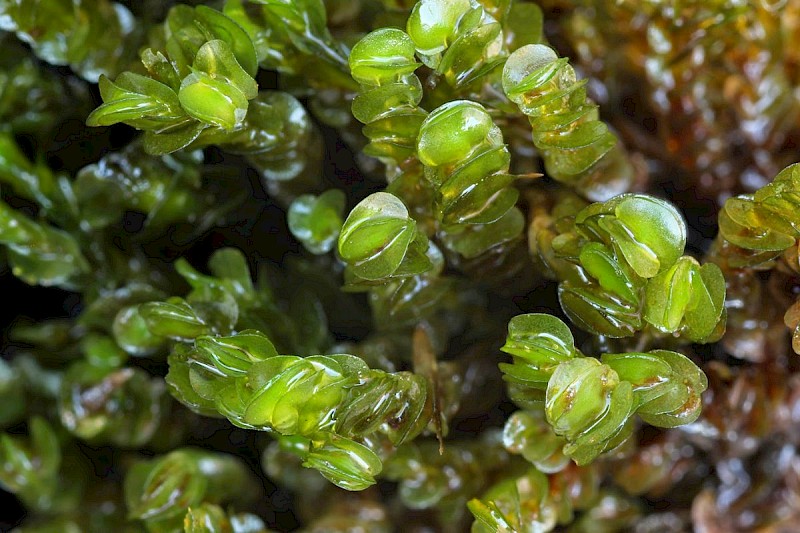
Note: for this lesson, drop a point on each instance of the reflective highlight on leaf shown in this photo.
(621, 270)
(467, 163)
(588, 403)
(383, 64)
(576, 146)
(317, 220)
(201, 81)
(379, 236)
(765, 221)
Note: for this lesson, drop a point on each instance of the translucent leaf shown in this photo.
(596, 311)
(683, 406)
(346, 463)
(381, 56)
(174, 319)
(655, 223)
(225, 29)
(474, 240)
(602, 265)
(579, 394)
(647, 373)
(233, 355)
(541, 340)
(477, 192)
(432, 23)
(317, 220)
(642, 259)
(138, 101)
(594, 440)
(528, 433)
(706, 305)
(213, 101)
(376, 236)
(168, 140)
(668, 295)
(452, 131)
(216, 59)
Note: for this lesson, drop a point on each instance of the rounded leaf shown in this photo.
(317, 220)
(541, 340)
(433, 23)
(376, 236)
(578, 395)
(212, 101)
(523, 63)
(346, 463)
(132, 334)
(382, 55)
(452, 131)
(656, 223)
(528, 433)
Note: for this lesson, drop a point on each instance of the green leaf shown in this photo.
(706, 305)
(541, 340)
(473, 55)
(167, 489)
(524, 25)
(602, 265)
(186, 383)
(376, 236)
(120, 406)
(586, 447)
(478, 192)
(365, 409)
(527, 433)
(579, 394)
(656, 224)
(172, 139)
(647, 373)
(213, 101)
(40, 254)
(138, 101)
(474, 240)
(433, 23)
(737, 227)
(520, 504)
(31, 469)
(642, 259)
(298, 398)
(668, 295)
(225, 29)
(160, 68)
(684, 403)
(231, 264)
(452, 131)
(235, 354)
(317, 220)
(216, 59)
(210, 518)
(346, 463)
(34, 181)
(132, 334)
(381, 56)
(173, 319)
(593, 309)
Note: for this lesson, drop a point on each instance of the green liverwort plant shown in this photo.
(262, 255)
(621, 269)
(587, 401)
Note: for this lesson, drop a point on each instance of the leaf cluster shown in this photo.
(590, 402)
(297, 233)
(621, 270)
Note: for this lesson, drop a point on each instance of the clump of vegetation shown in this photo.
(383, 266)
